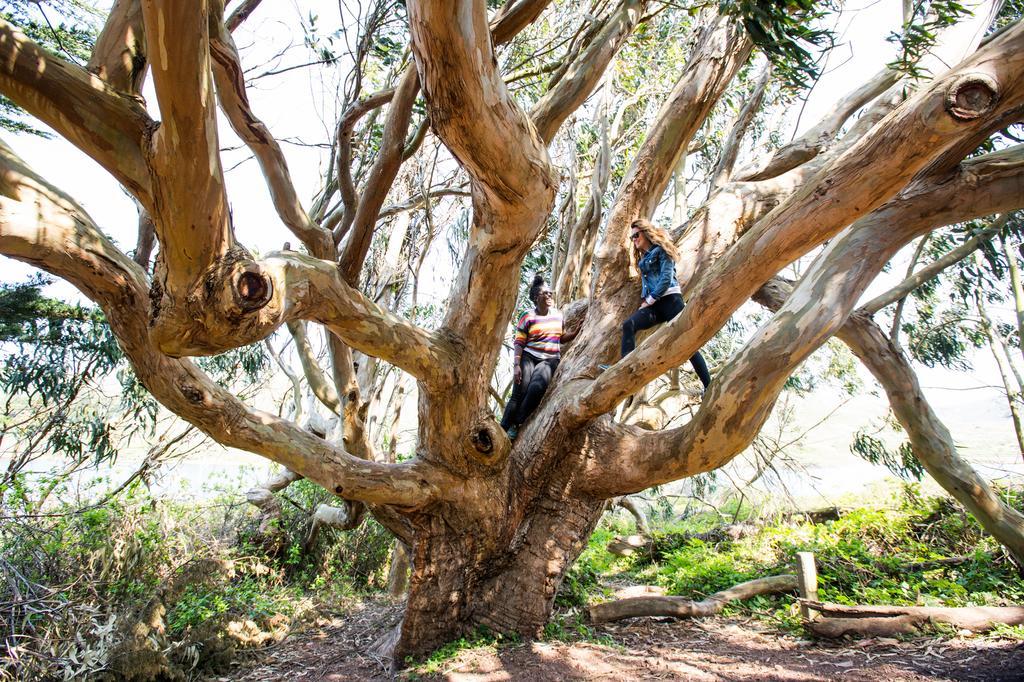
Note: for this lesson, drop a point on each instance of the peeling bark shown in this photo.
(743, 393)
(119, 55)
(43, 227)
(908, 140)
(492, 525)
(111, 128)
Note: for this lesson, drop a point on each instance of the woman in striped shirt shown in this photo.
(538, 345)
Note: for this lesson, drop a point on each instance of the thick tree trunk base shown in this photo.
(886, 621)
(678, 607)
(460, 581)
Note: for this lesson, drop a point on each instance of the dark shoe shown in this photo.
(513, 432)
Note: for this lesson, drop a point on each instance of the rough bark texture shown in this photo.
(492, 525)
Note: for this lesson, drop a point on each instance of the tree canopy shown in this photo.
(542, 130)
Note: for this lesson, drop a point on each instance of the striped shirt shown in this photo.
(540, 335)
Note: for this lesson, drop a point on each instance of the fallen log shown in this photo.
(883, 621)
(679, 607)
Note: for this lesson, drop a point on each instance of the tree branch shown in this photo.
(234, 102)
(346, 127)
(931, 441)
(382, 175)
(731, 148)
(584, 232)
(513, 17)
(146, 239)
(112, 129)
(586, 70)
(678, 607)
(119, 55)
(321, 387)
(512, 20)
(933, 269)
(743, 393)
(241, 13)
(191, 210)
(907, 140)
(45, 228)
(818, 138)
(470, 108)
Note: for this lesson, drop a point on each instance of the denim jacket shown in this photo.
(658, 274)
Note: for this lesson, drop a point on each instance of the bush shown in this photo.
(141, 588)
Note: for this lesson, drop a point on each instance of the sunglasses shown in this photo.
(634, 236)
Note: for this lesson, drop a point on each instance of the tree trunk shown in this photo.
(460, 581)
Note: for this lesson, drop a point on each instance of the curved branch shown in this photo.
(470, 107)
(322, 389)
(933, 269)
(346, 127)
(119, 56)
(293, 286)
(234, 102)
(731, 148)
(513, 17)
(931, 441)
(586, 70)
(382, 175)
(907, 141)
(420, 200)
(818, 138)
(112, 129)
(742, 395)
(678, 607)
(45, 228)
(363, 212)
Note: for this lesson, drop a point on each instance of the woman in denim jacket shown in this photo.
(656, 257)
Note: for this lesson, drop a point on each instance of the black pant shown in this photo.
(663, 310)
(527, 393)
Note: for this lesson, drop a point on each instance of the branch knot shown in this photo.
(971, 96)
(253, 288)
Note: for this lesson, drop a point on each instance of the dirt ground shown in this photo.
(709, 649)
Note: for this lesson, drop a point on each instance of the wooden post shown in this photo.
(807, 582)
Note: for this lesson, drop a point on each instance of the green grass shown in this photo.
(482, 638)
(862, 558)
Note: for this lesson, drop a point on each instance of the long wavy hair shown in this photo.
(655, 235)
